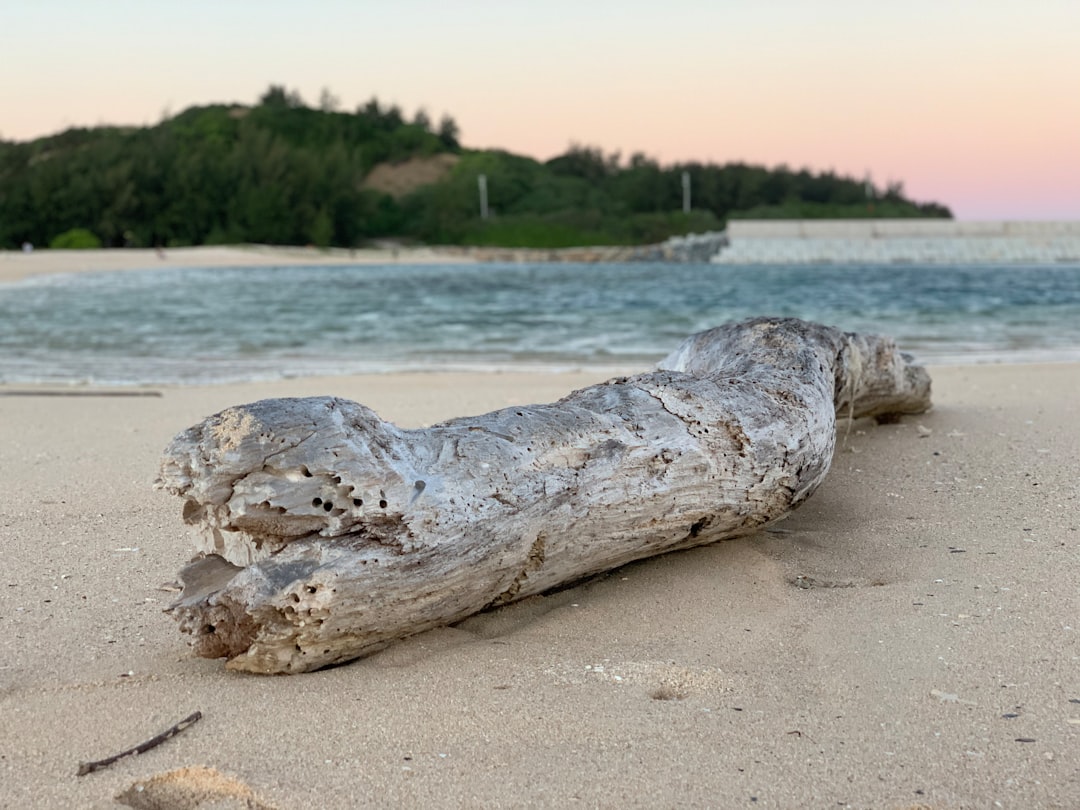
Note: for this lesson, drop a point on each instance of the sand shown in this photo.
(908, 638)
(16, 265)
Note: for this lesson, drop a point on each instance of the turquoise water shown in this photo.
(218, 325)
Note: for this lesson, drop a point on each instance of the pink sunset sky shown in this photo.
(972, 103)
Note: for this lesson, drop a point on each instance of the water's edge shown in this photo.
(220, 325)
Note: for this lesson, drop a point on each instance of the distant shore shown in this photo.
(17, 265)
(744, 242)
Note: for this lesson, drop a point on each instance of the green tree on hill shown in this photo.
(281, 172)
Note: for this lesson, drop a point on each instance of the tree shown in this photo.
(392, 117)
(586, 162)
(448, 132)
(328, 102)
(370, 108)
(321, 231)
(278, 96)
(275, 96)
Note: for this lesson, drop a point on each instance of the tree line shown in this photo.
(286, 173)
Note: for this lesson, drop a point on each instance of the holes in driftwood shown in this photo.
(382, 503)
(328, 506)
(304, 471)
(192, 512)
(294, 597)
(208, 629)
(357, 501)
(420, 486)
(311, 588)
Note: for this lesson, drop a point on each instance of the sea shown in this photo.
(219, 325)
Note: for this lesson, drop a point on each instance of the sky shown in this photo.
(971, 103)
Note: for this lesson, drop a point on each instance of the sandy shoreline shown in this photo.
(939, 630)
(906, 639)
(15, 265)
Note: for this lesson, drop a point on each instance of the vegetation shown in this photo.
(281, 172)
(886, 207)
(76, 239)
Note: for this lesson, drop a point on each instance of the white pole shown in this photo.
(482, 183)
(686, 192)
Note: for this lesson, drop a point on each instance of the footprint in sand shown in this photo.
(660, 680)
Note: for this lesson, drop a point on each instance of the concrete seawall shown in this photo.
(697, 248)
(825, 241)
(883, 241)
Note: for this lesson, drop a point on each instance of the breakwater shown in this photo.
(899, 241)
(860, 241)
(695, 248)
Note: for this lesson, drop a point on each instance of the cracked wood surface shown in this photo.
(325, 533)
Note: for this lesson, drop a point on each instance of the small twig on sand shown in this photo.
(141, 748)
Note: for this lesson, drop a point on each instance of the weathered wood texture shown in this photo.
(326, 532)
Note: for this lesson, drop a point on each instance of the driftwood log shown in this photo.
(326, 532)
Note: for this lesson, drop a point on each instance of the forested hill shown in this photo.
(281, 172)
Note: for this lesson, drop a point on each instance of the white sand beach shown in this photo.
(908, 638)
(16, 265)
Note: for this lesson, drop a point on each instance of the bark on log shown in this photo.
(327, 532)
